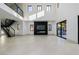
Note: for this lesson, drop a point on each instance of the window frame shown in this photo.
(48, 8)
(39, 7)
(28, 8)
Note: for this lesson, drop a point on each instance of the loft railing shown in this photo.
(16, 8)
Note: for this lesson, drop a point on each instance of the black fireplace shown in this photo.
(40, 28)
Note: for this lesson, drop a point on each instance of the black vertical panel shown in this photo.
(78, 29)
(57, 29)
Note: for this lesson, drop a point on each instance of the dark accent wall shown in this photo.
(40, 28)
(78, 29)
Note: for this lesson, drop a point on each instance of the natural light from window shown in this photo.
(32, 17)
(39, 7)
(36, 16)
(40, 14)
(29, 8)
(48, 7)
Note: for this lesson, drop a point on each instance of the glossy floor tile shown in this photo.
(37, 45)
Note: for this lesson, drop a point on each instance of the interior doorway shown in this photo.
(61, 29)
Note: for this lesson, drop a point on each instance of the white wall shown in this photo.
(66, 11)
(26, 27)
(69, 12)
(53, 28)
(49, 16)
(18, 28)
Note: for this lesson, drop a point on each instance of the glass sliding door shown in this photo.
(61, 29)
(64, 29)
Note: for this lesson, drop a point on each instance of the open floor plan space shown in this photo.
(37, 45)
(39, 28)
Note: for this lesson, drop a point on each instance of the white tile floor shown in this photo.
(37, 45)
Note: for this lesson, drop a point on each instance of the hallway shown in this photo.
(37, 45)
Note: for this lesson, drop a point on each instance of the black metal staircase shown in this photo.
(6, 26)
